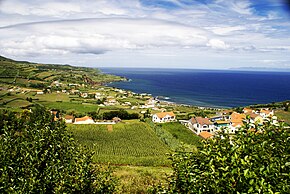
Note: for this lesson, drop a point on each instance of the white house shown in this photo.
(84, 120)
(266, 113)
(199, 124)
(163, 117)
(68, 119)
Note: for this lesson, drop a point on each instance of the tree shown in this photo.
(255, 160)
(38, 155)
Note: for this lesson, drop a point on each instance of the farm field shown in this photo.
(132, 143)
(135, 179)
(283, 115)
(182, 133)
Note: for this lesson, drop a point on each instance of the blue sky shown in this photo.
(203, 34)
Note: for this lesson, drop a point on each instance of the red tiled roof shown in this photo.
(163, 114)
(83, 119)
(201, 121)
(253, 115)
(68, 116)
(205, 134)
(265, 111)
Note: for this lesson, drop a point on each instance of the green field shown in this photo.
(283, 115)
(182, 133)
(131, 143)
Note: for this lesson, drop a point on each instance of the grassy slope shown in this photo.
(182, 133)
(138, 179)
(132, 143)
(283, 115)
(26, 74)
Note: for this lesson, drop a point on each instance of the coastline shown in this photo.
(210, 89)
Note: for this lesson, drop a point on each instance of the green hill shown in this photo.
(35, 75)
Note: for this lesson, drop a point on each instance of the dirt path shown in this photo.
(110, 128)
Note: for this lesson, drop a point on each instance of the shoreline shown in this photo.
(166, 98)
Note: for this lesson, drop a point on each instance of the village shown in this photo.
(206, 127)
(144, 105)
(228, 120)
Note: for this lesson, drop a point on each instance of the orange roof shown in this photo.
(235, 124)
(205, 134)
(246, 110)
(253, 115)
(53, 112)
(237, 116)
(201, 121)
(68, 116)
(265, 111)
(225, 112)
(163, 114)
(83, 119)
(237, 119)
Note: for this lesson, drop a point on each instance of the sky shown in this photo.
(194, 34)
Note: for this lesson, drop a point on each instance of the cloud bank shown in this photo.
(210, 34)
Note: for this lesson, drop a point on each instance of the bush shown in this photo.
(122, 114)
(255, 160)
(38, 155)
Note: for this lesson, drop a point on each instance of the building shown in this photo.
(256, 118)
(163, 117)
(206, 135)
(199, 124)
(84, 120)
(237, 118)
(266, 113)
(248, 110)
(69, 118)
(116, 120)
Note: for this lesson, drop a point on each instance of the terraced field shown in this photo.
(132, 143)
(33, 75)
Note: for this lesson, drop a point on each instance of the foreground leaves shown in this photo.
(255, 160)
(38, 155)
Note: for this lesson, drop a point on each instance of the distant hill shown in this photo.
(34, 75)
(271, 69)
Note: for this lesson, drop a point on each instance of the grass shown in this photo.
(182, 133)
(71, 106)
(283, 115)
(132, 143)
(138, 179)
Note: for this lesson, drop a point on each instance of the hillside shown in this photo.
(34, 75)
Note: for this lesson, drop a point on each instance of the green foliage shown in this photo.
(182, 133)
(25, 74)
(38, 155)
(132, 143)
(122, 114)
(255, 160)
(166, 137)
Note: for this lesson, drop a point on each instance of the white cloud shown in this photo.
(225, 30)
(46, 28)
(217, 44)
(97, 36)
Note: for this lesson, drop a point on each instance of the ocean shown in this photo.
(208, 88)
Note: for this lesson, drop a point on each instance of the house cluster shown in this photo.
(70, 119)
(207, 127)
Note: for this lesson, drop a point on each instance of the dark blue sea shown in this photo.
(210, 88)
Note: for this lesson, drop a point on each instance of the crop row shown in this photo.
(132, 143)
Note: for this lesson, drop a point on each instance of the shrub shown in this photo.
(255, 160)
(38, 155)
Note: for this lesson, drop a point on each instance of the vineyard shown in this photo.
(131, 143)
